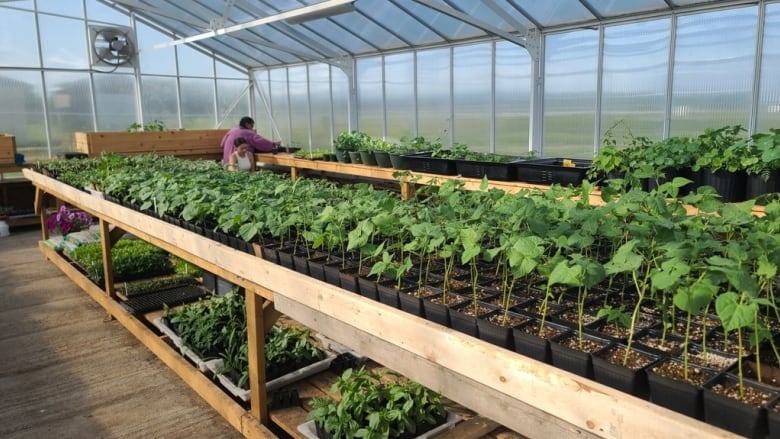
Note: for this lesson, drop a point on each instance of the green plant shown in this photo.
(350, 140)
(368, 405)
(723, 148)
(131, 259)
(155, 125)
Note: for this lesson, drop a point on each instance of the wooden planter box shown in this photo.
(7, 149)
(190, 144)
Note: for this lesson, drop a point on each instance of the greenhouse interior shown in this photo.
(390, 218)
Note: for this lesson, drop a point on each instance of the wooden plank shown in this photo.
(203, 385)
(256, 355)
(108, 263)
(288, 419)
(473, 428)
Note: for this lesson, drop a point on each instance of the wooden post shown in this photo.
(296, 173)
(255, 328)
(40, 209)
(108, 266)
(407, 190)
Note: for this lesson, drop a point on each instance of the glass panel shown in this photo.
(440, 23)
(193, 62)
(197, 103)
(99, 12)
(769, 98)
(472, 70)
(227, 92)
(399, 90)
(226, 71)
(63, 42)
(68, 97)
(339, 37)
(369, 31)
(369, 96)
(69, 8)
(634, 80)
(433, 94)
(157, 61)
(557, 12)
(341, 105)
(22, 93)
(610, 8)
(513, 98)
(21, 4)
(263, 107)
(158, 97)
(486, 14)
(713, 70)
(280, 104)
(15, 51)
(299, 106)
(114, 101)
(570, 94)
(319, 89)
(412, 30)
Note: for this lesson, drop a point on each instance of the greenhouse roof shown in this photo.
(268, 33)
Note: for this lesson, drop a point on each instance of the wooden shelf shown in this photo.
(532, 398)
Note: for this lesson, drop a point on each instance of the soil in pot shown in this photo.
(572, 352)
(656, 341)
(671, 388)
(349, 277)
(571, 318)
(623, 369)
(464, 317)
(388, 291)
(709, 358)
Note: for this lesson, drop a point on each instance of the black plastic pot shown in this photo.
(630, 380)
(383, 159)
(733, 415)
(367, 288)
(531, 344)
(497, 334)
(575, 360)
(367, 158)
(756, 186)
(731, 186)
(342, 156)
(354, 157)
(679, 396)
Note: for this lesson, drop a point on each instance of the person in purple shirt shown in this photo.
(255, 142)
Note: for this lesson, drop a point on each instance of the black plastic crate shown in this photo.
(551, 170)
(171, 297)
(423, 162)
(506, 171)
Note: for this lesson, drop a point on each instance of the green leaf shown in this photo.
(564, 274)
(732, 313)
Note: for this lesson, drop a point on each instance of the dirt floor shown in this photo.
(66, 373)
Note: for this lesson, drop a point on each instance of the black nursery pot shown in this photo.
(500, 335)
(410, 303)
(462, 320)
(630, 380)
(440, 312)
(575, 360)
(733, 415)
(677, 395)
(529, 342)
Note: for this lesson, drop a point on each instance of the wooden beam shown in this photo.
(108, 263)
(115, 234)
(40, 209)
(270, 316)
(203, 385)
(473, 428)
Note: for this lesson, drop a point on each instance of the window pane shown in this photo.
(634, 80)
(280, 104)
(194, 63)
(197, 103)
(433, 94)
(299, 106)
(340, 101)
(225, 71)
(319, 89)
(68, 96)
(769, 99)
(399, 90)
(114, 101)
(63, 42)
(262, 119)
(570, 94)
(158, 95)
(713, 70)
(15, 51)
(228, 90)
(369, 96)
(22, 94)
(70, 8)
(157, 61)
(513, 98)
(472, 69)
(99, 12)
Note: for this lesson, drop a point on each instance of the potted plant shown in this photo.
(763, 167)
(348, 142)
(367, 404)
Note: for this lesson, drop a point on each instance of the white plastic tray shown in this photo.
(309, 430)
(276, 383)
(167, 330)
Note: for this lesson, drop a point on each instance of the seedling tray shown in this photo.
(171, 297)
(506, 171)
(551, 170)
(309, 429)
(423, 162)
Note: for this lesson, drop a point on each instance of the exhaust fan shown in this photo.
(112, 46)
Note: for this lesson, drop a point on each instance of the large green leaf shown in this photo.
(734, 314)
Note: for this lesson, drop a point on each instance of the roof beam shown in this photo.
(135, 5)
(306, 10)
(479, 24)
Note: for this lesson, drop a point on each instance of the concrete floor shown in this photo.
(66, 373)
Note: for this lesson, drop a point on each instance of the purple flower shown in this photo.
(65, 221)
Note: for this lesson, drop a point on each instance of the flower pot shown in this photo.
(367, 158)
(631, 378)
(317, 266)
(342, 156)
(383, 159)
(354, 157)
(464, 316)
(367, 288)
(725, 408)
(669, 388)
(756, 186)
(349, 278)
(437, 307)
(388, 291)
(398, 161)
(333, 272)
(731, 186)
(532, 342)
(411, 303)
(496, 327)
(569, 355)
